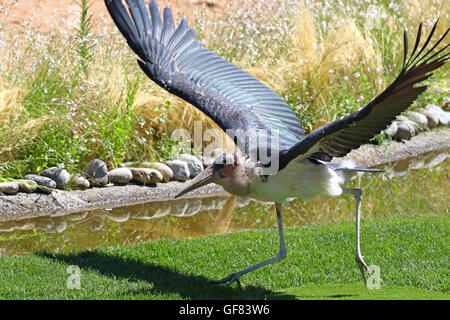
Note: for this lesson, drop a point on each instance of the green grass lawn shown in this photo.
(412, 253)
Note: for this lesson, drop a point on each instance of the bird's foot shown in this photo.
(362, 267)
(234, 277)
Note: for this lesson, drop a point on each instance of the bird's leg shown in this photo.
(357, 193)
(234, 277)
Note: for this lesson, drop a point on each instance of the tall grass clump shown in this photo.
(67, 97)
(325, 58)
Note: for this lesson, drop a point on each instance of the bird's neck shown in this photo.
(241, 179)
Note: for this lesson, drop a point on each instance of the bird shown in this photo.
(274, 160)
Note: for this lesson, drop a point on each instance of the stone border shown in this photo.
(60, 202)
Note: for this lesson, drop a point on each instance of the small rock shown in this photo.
(146, 175)
(443, 116)
(97, 171)
(180, 169)
(120, 175)
(418, 118)
(163, 169)
(194, 164)
(60, 176)
(392, 129)
(404, 131)
(414, 125)
(80, 182)
(206, 161)
(9, 188)
(27, 186)
(41, 181)
(432, 119)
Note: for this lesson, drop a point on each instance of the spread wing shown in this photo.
(172, 57)
(339, 137)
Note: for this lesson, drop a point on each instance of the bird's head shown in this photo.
(230, 170)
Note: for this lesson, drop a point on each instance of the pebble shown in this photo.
(414, 125)
(206, 161)
(60, 176)
(97, 172)
(146, 175)
(443, 116)
(42, 181)
(120, 175)
(194, 164)
(418, 118)
(27, 186)
(80, 182)
(8, 188)
(432, 119)
(180, 169)
(404, 131)
(165, 170)
(392, 129)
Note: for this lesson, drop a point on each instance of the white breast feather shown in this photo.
(300, 179)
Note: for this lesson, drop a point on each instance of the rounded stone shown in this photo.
(146, 175)
(392, 129)
(80, 182)
(404, 131)
(9, 188)
(120, 175)
(97, 171)
(206, 161)
(432, 119)
(27, 186)
(412, 124)
(443, 116)
(60, 176)
(42, 181)
(163, 169)
(194, 164)
(418, 118)
(180, 169)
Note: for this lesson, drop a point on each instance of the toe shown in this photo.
(362, 267)
(229, 280)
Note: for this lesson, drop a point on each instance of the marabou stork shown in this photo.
(171, 56)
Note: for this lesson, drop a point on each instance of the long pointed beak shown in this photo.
(205, 177)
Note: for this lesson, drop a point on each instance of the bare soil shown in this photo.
(47, 14)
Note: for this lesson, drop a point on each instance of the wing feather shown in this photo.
(172, 57)
(339, 137)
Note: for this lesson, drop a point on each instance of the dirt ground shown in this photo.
(46, 14)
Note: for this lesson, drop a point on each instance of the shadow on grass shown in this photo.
(164, 280)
